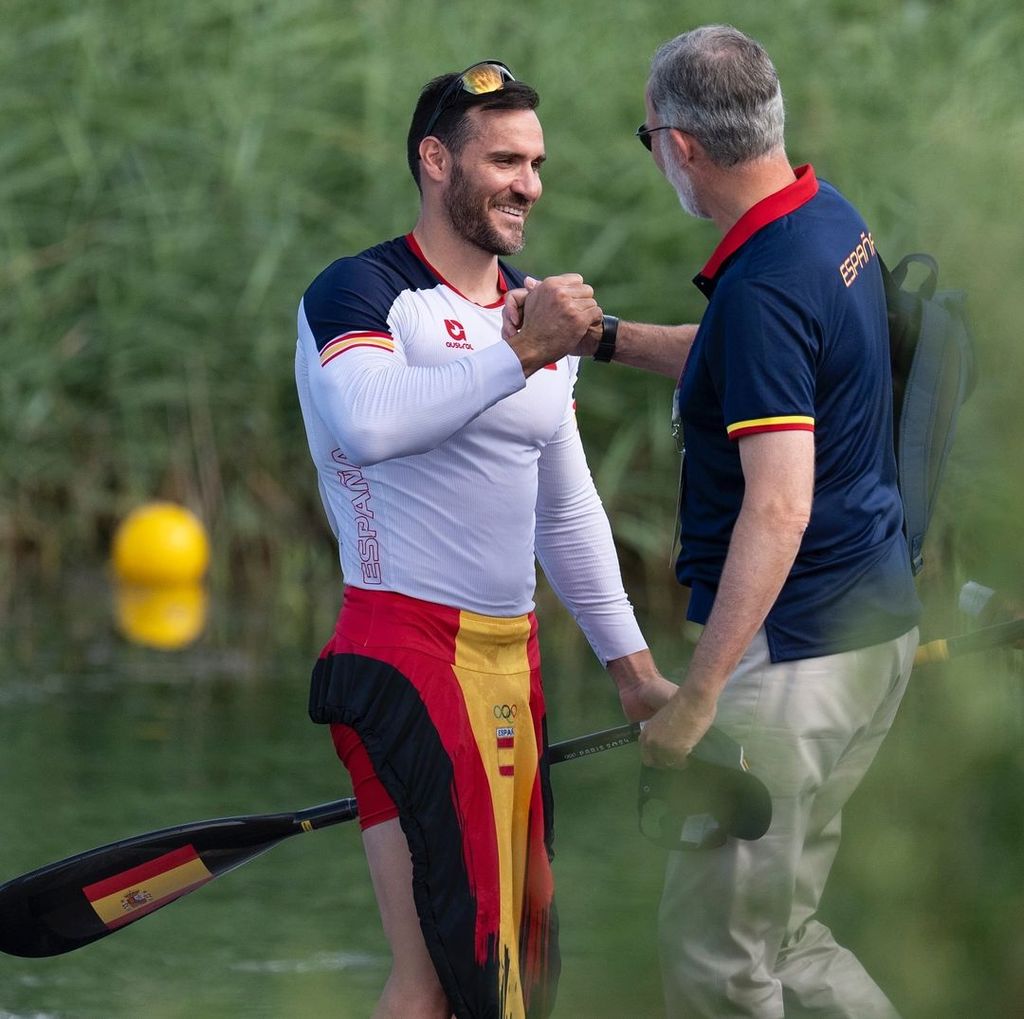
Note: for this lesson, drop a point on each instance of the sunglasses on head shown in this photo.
(477, 80)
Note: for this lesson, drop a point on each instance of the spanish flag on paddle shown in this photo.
(132, 893)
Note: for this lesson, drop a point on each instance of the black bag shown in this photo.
(933, 372)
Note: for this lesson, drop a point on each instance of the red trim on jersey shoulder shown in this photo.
(758, 216)
(355, 338)
(783, 423)
(418, 252)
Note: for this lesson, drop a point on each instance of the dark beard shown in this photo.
(462, 204)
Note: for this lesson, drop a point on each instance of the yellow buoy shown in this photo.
(166, 617)
(160, 543)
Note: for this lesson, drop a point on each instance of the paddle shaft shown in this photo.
(338, 811)
(980, 640)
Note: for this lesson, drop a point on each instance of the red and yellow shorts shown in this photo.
(448, 708)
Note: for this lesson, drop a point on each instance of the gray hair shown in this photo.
(720, 86)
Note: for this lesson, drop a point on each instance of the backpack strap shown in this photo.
(926, 290)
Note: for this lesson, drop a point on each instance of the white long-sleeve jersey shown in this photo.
(442, 470)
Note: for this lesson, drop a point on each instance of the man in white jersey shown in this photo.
(447, 458)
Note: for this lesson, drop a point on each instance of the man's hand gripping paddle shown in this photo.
(717, 795)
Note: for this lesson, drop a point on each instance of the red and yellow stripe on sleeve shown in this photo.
(783, 423)
(124, 897)
(358, 338)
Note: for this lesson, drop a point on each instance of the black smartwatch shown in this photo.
(606, 345)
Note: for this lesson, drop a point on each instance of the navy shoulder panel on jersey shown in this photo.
(355, 294)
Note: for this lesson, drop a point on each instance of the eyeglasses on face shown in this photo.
(477, 80)
(643, 132)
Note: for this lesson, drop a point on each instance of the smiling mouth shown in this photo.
(515, 211)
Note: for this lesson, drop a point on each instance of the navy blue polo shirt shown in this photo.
(795, 337)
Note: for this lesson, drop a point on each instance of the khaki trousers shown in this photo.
(738, 933)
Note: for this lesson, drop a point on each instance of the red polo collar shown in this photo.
(768, 210)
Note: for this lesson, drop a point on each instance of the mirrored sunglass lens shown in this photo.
(484, 78)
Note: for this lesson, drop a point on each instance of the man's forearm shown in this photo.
(642, 688)
(629, 670)
(778, 471)
(655, 348)
(761, 554)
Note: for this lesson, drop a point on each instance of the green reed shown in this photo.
(174, 178)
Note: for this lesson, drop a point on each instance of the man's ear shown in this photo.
(435, 159)
(687, 147)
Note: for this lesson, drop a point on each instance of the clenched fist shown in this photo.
(556, 315)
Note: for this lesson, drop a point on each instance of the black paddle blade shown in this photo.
(66, 905)
(714, 796)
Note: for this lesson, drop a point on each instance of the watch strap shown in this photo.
(606, 345)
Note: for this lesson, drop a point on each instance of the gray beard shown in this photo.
(462, 204)
(680, 180)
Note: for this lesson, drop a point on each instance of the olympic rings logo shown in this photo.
(506, 711)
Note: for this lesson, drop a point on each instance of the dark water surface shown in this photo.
(100, 740)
